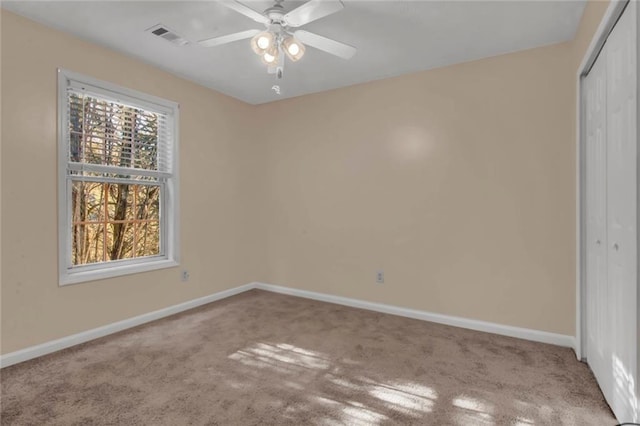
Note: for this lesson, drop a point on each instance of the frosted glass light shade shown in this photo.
(262, 42)
(270, 57)
(293, 48)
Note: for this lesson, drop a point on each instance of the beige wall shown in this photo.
(458, 182)
(219, 166)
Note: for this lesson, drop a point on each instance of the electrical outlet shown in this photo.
(380, 276)
(184, 275)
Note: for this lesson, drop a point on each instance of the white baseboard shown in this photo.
(85, 336)
(95, 333)
(489, 327)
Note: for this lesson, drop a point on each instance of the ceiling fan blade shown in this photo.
(342, 50)
(245, 10)
(312, 10)
(217, 41)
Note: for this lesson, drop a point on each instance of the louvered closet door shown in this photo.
(621, 58)
(598, 346)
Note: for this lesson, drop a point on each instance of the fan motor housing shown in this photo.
(275, 13)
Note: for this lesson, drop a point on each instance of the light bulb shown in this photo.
(263, 42)
(294, 49)
(272, 56)
(269, 58)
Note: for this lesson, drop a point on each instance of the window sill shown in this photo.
(76, 277)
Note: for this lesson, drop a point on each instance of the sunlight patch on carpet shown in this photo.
(351, 413)
(361, 416)
(473, 411)
(283, 358)
(410, 398)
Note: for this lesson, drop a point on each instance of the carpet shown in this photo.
(261, 358)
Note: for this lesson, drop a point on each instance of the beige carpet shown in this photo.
(266, 359)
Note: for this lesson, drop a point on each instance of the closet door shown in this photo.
(598, 347)
(621, 142)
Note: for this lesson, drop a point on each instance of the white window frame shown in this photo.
(169, 202)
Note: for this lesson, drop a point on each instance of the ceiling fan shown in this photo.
(279, 38)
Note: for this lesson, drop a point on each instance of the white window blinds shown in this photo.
(118, 137)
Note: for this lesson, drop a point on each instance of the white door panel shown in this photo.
(598, 347)
(621, 212)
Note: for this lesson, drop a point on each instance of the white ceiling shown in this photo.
(393, 38)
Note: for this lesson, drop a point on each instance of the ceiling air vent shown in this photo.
(163, 32)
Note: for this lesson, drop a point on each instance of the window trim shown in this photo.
(169, 204)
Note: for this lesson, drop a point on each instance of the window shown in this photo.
(117, 180)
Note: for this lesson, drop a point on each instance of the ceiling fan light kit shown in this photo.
(272, 43)
(278, 40)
